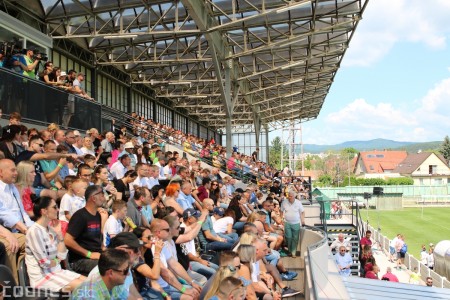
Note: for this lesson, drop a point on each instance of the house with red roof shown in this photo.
(378, 163)
(425, 168)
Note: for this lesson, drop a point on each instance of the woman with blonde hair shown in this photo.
(222, 273)
(247, 238)
(247, 256)
(52, 128)
(88, 146)
(24, 183)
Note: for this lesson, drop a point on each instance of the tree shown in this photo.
(275, 153)
(445, 148)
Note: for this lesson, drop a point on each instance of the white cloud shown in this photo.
(386, 22)
(429, 120)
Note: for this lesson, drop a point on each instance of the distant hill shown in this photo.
(376, 144)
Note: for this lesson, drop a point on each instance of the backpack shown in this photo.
(404, 248)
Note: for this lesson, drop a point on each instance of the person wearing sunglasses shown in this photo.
(113, 266)
(45, 249)
(343, 261)
(84, 237)
(161, 230)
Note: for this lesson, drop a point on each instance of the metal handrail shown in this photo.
(312, 247)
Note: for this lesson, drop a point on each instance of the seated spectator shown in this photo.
(88, 147)
(84, 236)
(185, 199)
(25, 178)
(209, 239)
(142, 197)
(113, 266)
(247, 257)
(73, 200)
(51, 168)
(145, 275)
(202, 191)
(33, 154)
(389, 276)
(371, 271)
(160, 230)
(174, 244)
(172, 194)
(230, 288)
(7, 146)
(123, 185)
(120, 167)
(45, 249)
(113, 225)
(343, 261)
(100, 177)
(340, 241)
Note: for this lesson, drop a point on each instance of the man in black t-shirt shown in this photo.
(84, 233)
(276, 189)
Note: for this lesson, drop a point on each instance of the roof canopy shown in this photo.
(256, 61)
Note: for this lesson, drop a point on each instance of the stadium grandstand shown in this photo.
(118, 174)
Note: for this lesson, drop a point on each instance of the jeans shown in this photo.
(173, 292)
(197, 277)
(84, 266)
(149, 293)
(230, 237)
(273, 257)
(206, 271)
(292, 236)
(239, 226)
(219, 246)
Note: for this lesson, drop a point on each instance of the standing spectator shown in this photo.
(84, 236)
(366, 240)
(430, 259)
(28, 63)
(365, 257)
(294, 215)
(389, 276)
(113, 266)
(255, 155)
(45, 249)
(399, 247)
(344, 261)
(77, 89)
(392, 252)
(424, 255)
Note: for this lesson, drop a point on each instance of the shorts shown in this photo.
(400, 255)
(391, 250)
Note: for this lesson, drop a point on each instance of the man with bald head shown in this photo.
(161, 230)
(208, 237)
(340, 241)
(107, 142)
(12, 216)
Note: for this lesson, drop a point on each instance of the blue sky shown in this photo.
(394, 81)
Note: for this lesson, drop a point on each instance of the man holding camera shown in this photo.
(29, 62)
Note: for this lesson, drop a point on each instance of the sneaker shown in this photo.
(292, 274)
(285, 276)
(288, 292)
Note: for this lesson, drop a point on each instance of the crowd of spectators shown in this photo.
(130, 219)
(30, 63)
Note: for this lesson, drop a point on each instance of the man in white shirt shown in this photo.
(120, 167)
(294, 216)
(141, 179)
(12, 216)
(340, 241)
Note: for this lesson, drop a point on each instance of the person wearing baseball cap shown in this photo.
(129, 243)
(194, 219)
(128, 149)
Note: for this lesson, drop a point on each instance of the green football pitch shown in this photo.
(419, 227)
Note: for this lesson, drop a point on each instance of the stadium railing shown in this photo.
(411, 262)
(41, 104)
